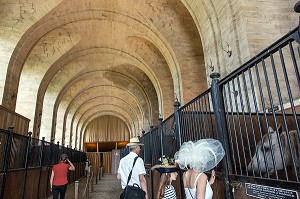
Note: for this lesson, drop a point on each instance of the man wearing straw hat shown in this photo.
(138, 171)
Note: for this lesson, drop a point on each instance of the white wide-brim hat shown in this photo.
(201, 156)
(134, 142)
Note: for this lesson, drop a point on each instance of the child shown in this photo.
(168, 174)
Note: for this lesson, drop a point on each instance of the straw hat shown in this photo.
(201, 156)
(134, 142)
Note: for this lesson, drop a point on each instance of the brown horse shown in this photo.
(263, 158)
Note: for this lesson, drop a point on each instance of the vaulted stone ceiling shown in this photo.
(68, 62)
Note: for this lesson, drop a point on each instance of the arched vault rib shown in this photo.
(79, 80)
(78, 144)
(104, 90)
(16, 65)
(99, 114)
(98, 99)
(66, 59)
(83, 120)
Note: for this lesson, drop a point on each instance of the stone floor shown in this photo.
(107, 188)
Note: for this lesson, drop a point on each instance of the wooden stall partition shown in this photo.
(177, 187)
(10, 118)
(155, 178)
(14, 184)
(95, 159)
(31, 184)
(148, 180)
(218, 188)
(107, 160)
(45, 176)
(1, 180)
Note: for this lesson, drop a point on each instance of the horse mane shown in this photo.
(294, 145)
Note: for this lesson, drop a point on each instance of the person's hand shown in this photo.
(51, 189)
(212, 177)
(146, 196)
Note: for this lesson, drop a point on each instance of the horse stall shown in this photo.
(260, 110)
(254, 112)
(27, 164)
(12, 119)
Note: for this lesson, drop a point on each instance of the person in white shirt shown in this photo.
(138, 171)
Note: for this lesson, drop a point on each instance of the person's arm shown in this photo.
(51, 180)
(119, 176)
(212, 177)
(71, 165)
(143, 184)
(201, 186)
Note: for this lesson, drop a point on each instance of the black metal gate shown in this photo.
(254, 112)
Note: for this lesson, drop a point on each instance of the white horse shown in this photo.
(263, 161)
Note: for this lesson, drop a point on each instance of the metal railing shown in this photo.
(21, 153)
(256, 119)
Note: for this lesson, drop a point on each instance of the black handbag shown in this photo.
(133, 191)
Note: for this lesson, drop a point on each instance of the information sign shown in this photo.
(260, 191)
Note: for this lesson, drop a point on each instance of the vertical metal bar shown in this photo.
(225, 129)
(265, 116)
(177, 123)
(41, 158)
(178, 137)
(210, 112)
(290, 94)
(182, 113)
(235, 93)
(206, 125)
(180, 125)
(152, 157)
(151, 145)
(251, 121)
(257, 116)
(188, 124)
(193, 121)
(273, 112)
(234, 128)
(221, 127)
(229, 126)
(161, 137)
(271, 103)
(199, 119)
(58, 152)
(295, 63)
(6, 159)
(49, 164)
(283, 113)
(26, 163)
(244, 119)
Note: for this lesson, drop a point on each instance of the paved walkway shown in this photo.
(107, 188)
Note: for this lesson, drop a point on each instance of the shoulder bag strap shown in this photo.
(132, 169)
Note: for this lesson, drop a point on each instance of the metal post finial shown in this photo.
(214, 75)
(297, 7)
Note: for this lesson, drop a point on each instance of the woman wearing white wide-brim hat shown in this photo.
(199, 157)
